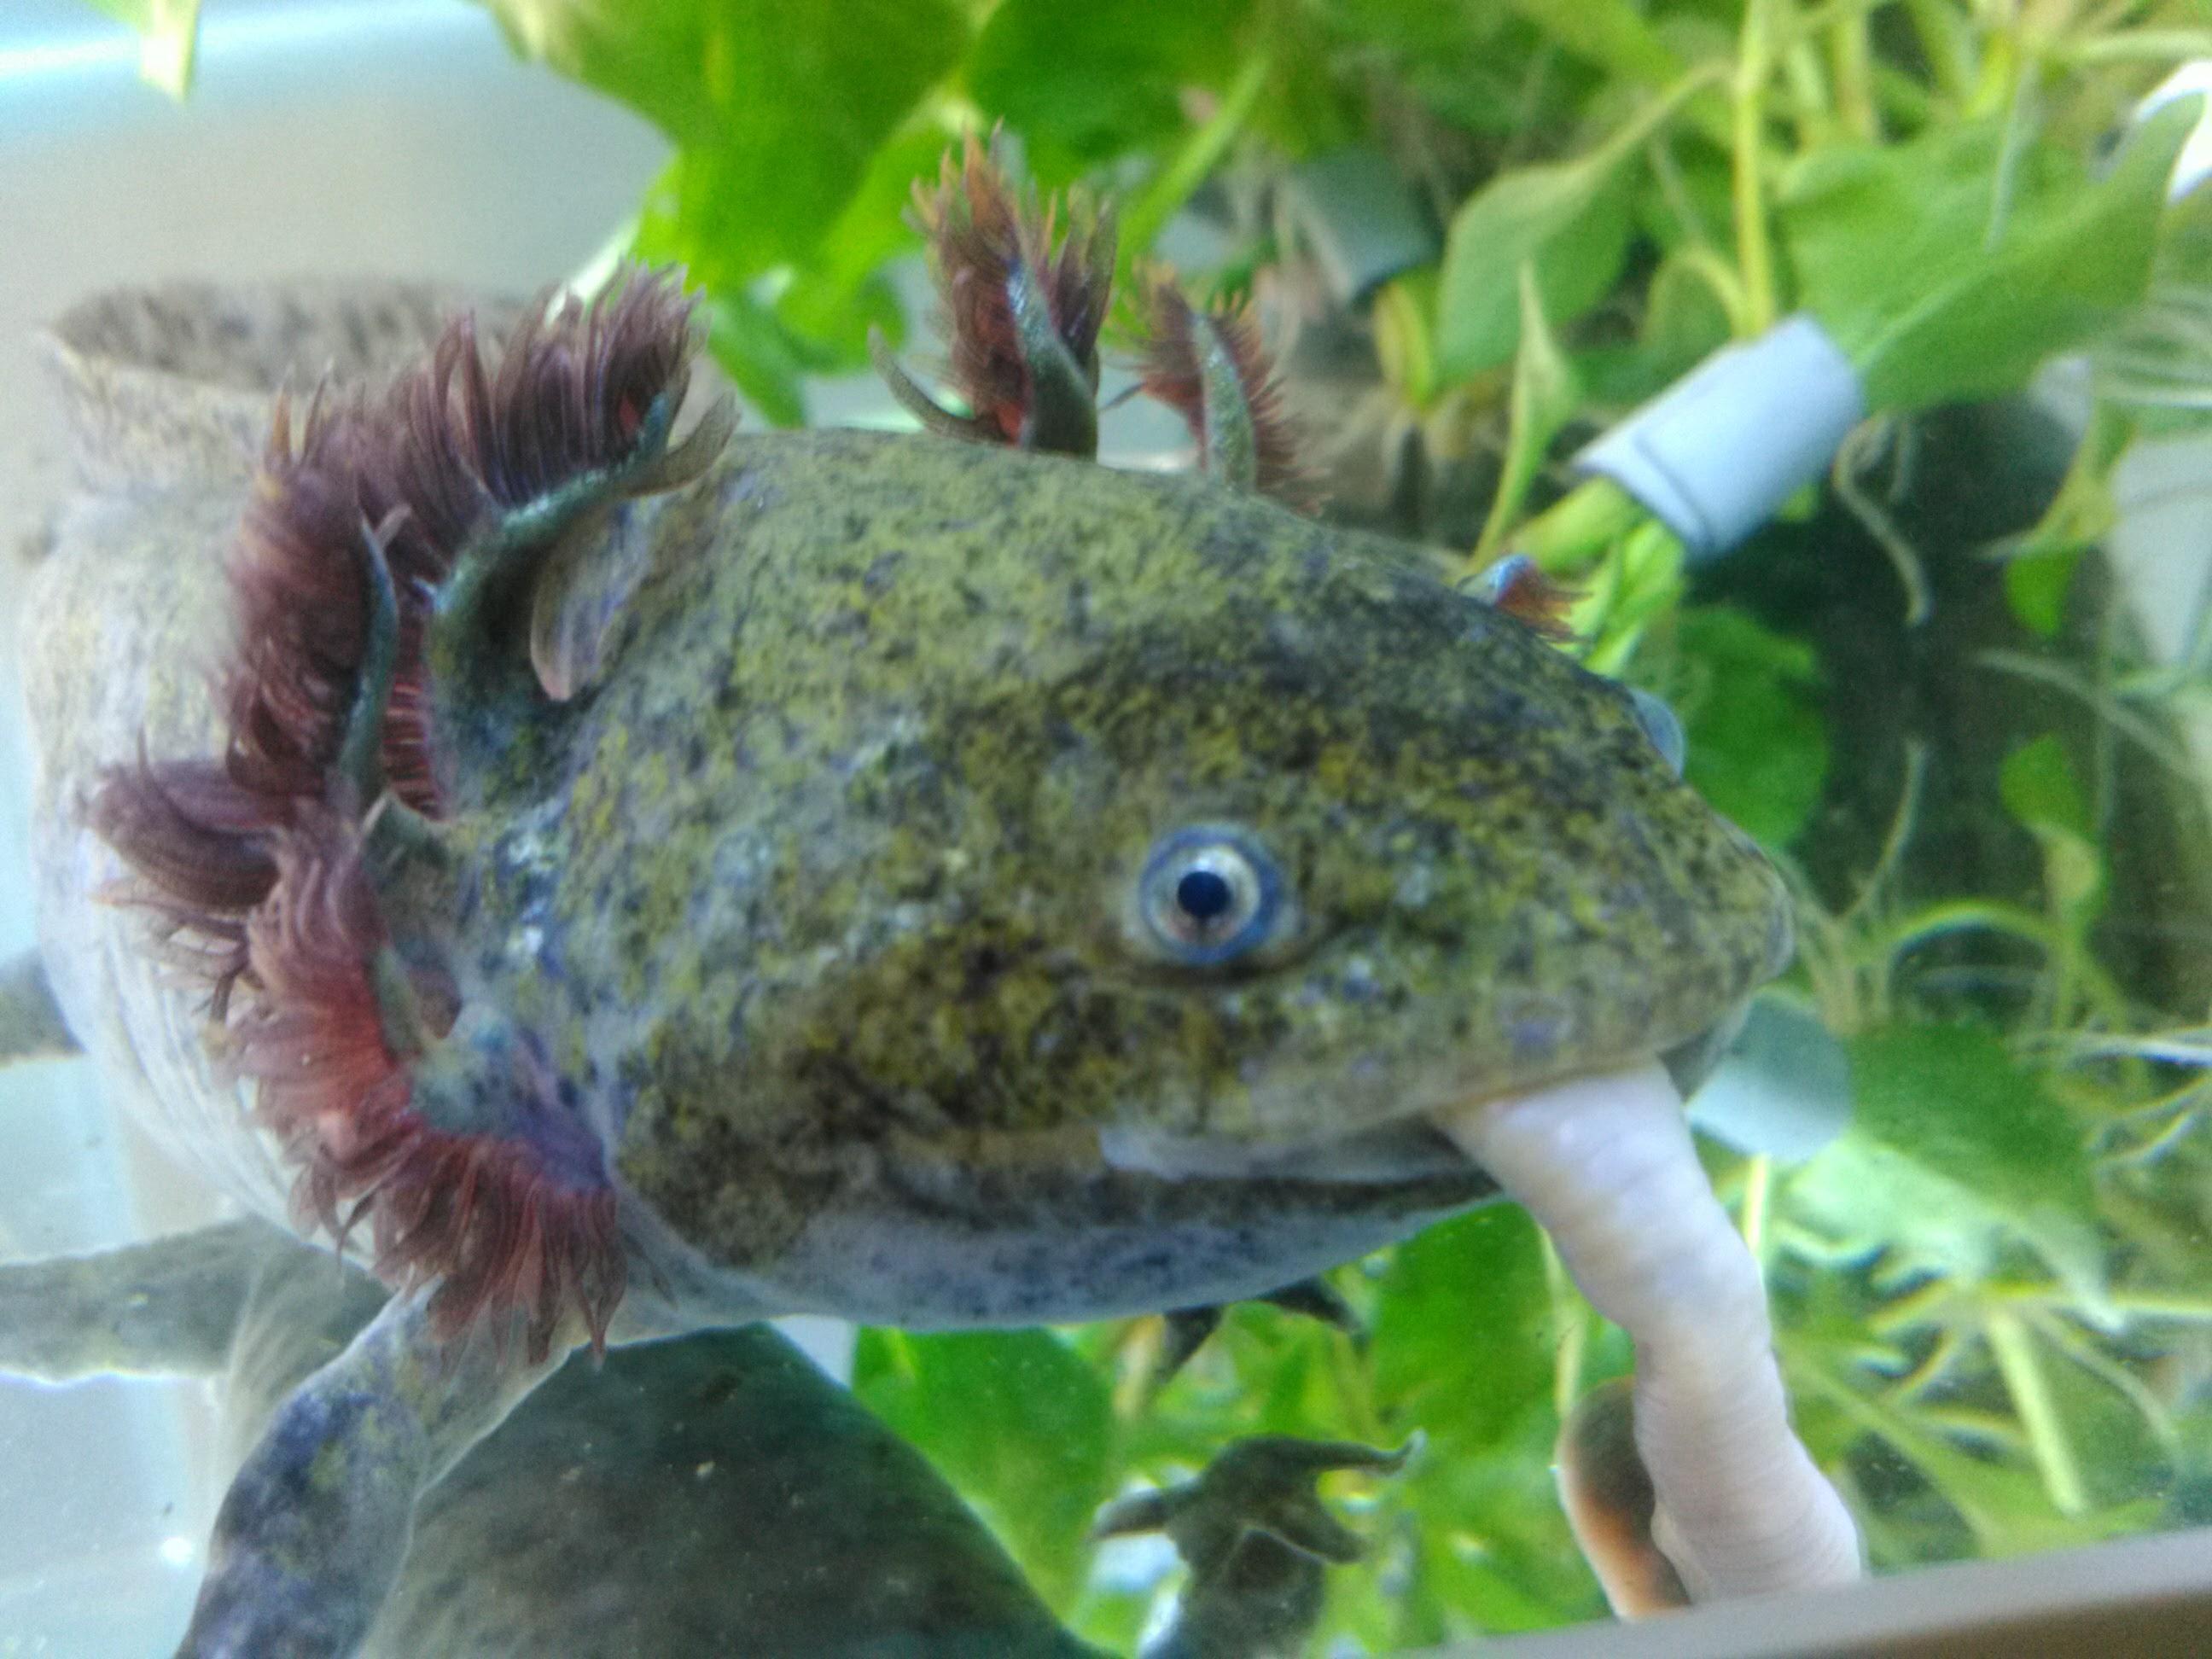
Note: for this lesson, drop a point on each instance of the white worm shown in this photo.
(1606, 1168)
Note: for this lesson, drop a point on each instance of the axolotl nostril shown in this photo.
(649, 882)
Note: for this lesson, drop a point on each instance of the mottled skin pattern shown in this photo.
(820, 905)
(819, 902)
(811, 923)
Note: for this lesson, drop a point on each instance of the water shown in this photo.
(1993, 1356)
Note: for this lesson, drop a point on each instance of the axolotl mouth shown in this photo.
(1409, 1146)
(1079, 1222)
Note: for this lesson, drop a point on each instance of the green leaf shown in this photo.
(1955, 1151)
(1685, 321)
(1403, 312)
(1945, 274)
(872, 228)
(1952, 1100)
(1475, 65)
(1493, 1551)
(760, 357)
(1758, 746)
(1015, 1420)
(1462, 1342)
(2040, 791)
(1546, 397)
(776, 109)
(830, 325)
(1611, 33)
(2040, 568)
(1569, 220)
(1085, 83)
(168, 38)
(2036, 585)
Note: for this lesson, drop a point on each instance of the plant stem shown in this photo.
(1942, 42)
(1720, 277)
(1866, 442)
(1577, 528)
(1571, 1319)
(1754, 251)
(1812, 110)
(1191, 165)
(2135, 1304)
(1850, 68)
(2000, 67)
(2030, 1390)
(1758, 1193)
(1614, 37)
(2142, 45)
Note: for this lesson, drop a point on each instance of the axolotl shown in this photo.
(644, 880)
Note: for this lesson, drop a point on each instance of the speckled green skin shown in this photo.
(810, 924)
(817, 904)
(820, 904)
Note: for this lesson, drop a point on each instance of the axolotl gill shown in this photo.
(645, 879)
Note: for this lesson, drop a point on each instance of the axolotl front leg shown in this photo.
(314, 1527)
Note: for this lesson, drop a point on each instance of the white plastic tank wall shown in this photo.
(392, 137)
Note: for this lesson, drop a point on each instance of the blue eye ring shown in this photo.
(1209, 894)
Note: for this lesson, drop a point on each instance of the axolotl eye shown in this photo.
(1209, 895)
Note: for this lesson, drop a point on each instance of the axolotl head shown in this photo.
(917, 880)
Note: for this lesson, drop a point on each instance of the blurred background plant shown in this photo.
(1483, 231)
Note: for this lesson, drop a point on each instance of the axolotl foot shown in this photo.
(1256, 1537)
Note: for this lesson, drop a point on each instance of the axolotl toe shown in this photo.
(646, 881)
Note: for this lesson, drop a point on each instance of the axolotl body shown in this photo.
(647, 885)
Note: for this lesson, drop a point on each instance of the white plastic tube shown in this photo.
(2194, 165)
(1716, 455)
(1606, 1168)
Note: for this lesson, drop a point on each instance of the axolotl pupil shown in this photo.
(1210, 895)
(1204, 895)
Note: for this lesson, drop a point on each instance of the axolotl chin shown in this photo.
(645, 881)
